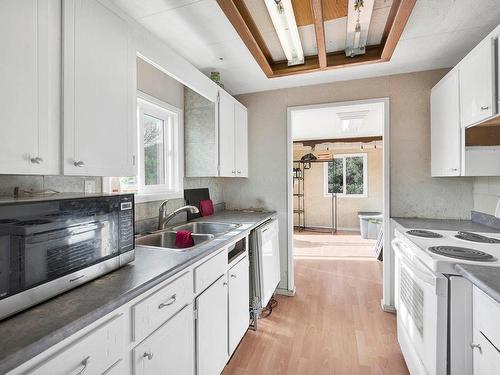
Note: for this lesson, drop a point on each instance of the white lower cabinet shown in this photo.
(211, 328)
(239, 315)
(93, 353)
(170, 349)
(486, 334)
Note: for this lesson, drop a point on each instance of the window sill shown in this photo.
(144, 198)
(347, 196)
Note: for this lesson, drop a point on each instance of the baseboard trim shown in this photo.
(286, 292)
(388, 308)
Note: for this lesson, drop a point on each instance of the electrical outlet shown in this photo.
(89, 187)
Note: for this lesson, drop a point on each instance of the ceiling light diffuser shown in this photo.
(283, 18)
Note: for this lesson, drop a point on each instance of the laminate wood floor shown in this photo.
(333, 325)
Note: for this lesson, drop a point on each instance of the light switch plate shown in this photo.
(89, 187)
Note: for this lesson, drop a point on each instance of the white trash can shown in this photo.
(364, 221)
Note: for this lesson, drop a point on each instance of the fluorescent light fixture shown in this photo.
(281, 12)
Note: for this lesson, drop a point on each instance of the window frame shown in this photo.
(159, 192)
(327, 194)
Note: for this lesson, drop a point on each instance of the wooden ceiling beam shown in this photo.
(239, 16)
(396, 22)
(314, 142)
(319, 29)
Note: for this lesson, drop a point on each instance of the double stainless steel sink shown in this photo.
(202, 232)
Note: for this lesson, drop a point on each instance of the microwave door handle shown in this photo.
(414, 264)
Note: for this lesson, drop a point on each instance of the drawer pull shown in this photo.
(83, 363)
(476, 346)
(170, 301)
(233, 276)
(485, 107)
(147, 355)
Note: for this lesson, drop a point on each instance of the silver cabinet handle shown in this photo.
(224, 283)
(169, 302)
(83, 363)
(485, 107)
(476, 346)
(233, 172)
(36, 160)
(147, 355)
(78, 163)
(239, 172)
(454, 169)
(233, 276)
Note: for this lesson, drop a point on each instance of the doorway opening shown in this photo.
(338, 192)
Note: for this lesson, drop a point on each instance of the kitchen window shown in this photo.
(159, 153)
(347, 176)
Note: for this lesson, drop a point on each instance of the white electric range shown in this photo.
(434, 304)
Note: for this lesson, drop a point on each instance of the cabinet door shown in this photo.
(30, 80)
(486, 357)
(226, 135)
(478, 84)
(241, 140)
(211, 328)
(445, 127)
(239, 302)
(99, 91)
(170, 349)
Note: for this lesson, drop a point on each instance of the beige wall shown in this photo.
(486, 194)
(318, 206)
(413, 192)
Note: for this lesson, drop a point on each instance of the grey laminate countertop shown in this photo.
(485, 278)
(31, 332)
(439, 224)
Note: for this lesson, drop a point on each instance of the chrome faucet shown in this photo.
(163, 219)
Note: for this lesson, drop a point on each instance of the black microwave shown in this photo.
(50, 245)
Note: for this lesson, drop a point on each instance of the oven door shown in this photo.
(421, 313)
(53, 254)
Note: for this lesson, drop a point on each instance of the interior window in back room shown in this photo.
(347, 175)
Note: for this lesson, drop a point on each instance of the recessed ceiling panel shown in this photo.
(143, 8)
(335, 32)
(377, 26)
(308, 40)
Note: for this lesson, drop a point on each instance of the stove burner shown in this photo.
(462, 253)
(423, 233)
(474, 237)
(8, 221)
(33, 222)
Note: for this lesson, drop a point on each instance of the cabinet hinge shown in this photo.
(218, 97)
(195, 314)
(133, 159)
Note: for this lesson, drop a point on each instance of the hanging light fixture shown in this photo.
(357, 26)
(283, 18)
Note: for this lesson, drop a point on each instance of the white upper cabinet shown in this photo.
(233, 137)
(240, 140)
(445, 127)
(478, 83)
(226, 135)
(99, 91)
(30, 80)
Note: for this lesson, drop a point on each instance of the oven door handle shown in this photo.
(413, 264)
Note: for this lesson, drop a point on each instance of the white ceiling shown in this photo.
(438, 34)
(325, 123)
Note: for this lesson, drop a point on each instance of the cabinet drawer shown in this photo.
(210, 271)
(157, 308)
(486, 357)
(486, 313)
(91, 354)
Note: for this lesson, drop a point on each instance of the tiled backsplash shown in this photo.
(146, 213)
(486, 192)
